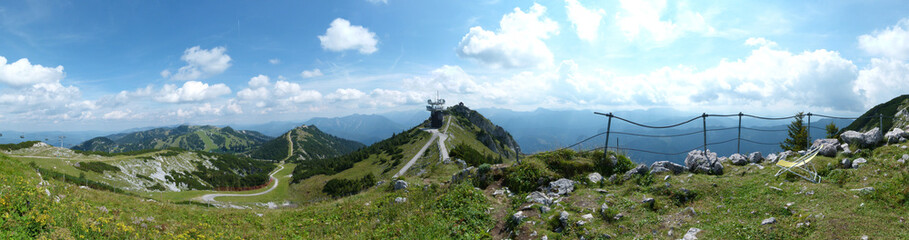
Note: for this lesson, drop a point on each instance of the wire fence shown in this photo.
(704, 130)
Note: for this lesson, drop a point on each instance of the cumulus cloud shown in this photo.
(262, 93)
(643, 19)
(22, 73)
(201, 63)
(892, 42)
(345, 94)
(274, 61)
(117, 115)
(191, 91)
(517, 43)
(585, 21)
(341, 36)
(451, 79)
(759, 42)
(311, 73)
(378, 1)
(882, 80)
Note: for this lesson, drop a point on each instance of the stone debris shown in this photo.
(770, 220)
(691, 234)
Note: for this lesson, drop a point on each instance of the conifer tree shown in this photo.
(798, 135)
(832, 130)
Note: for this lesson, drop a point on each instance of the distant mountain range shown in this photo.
(366, 129)
(202, 138)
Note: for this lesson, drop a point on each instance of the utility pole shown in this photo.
(704, 117)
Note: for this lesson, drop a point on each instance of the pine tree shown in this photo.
(798, 135)
(832, 130)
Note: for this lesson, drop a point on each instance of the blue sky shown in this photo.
(99, 65)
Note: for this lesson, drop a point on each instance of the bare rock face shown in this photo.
(699, 162)
(562, 186)
(870, 138)
(738, 159)
(639, 170)
(830, 146)
(893, 136)
(675, 168)
(755, 157)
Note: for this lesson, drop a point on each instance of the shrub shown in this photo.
(565, 163)
(527, 176)
(98, 167)
(17, 146)
(612, 164)
(484, 176)
(473, 157)
(346, 187)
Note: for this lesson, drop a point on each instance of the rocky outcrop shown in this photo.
(859, 162)
(867, 139)
(893, 136)
(562, 186)
(641, 169)
(595, 177)
(400, 184)
(738, 159)
(491, 135)
(666, 166)
(830, 146)
(755, 157)
(699, 162)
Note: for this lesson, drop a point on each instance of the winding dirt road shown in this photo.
(435, 134)
(211, 197)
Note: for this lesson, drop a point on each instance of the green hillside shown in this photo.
(895, 112)
(200, 138)
(304, 143)
(141, 172)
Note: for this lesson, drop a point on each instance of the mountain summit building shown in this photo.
(435, 107)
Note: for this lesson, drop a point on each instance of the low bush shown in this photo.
(98, 167)
(527, 176)
(566, 163)
(612, 163)
(17, 146)
(473, 157)
(346, 187)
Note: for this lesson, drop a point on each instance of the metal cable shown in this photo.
(768, 118)
(755, 142)
(721, 142)
(660, 153)
(650, 126)
(766, 130)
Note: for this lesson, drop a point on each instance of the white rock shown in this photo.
(770, 220)
(691, 234)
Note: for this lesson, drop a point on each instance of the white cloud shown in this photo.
(274, 61)
(449, 79)
(311, 73)
(759, 42)
(345, 94)
(882, 80)
(586, 21)
(643, 19)
(259, 81)
(191, 91)
(202, 63)
(282, 94)
(117, 115)
(165, 73)
(341, 36)
(517, 43)
(378, 1)
(22, 73)
(892, 42)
